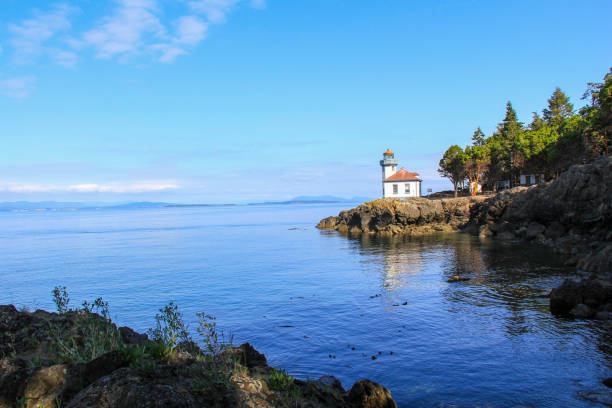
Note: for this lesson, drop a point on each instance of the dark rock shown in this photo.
(129, 336)
(607, 382)
(506, 235)
(329, 381)
(581, 311)
(554, 230)
(248, 356)
(125, 388)
(368, 394)
(603, 315)
(598, 260)
(572, 297)
(534, 230)
(458, 278)
(565, 297)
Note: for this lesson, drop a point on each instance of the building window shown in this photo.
(407, 191)
(395, 189)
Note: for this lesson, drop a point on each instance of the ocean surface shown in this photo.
(316, 302)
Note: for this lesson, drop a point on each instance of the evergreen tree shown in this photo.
(478, 138)
(537, 122)
(506, 153)
(599, 115)
(559, 108)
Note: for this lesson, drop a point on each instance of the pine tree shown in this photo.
(599, 115)
(509, 151)
(478, 138)
(537, 122)
(559, 108)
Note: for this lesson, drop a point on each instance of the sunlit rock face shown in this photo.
(573, 215)
(408, 216)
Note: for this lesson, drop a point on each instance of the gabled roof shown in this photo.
(403, 175)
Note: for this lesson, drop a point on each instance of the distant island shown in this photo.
(16, 206)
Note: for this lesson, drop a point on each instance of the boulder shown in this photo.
(534, 230)
(125, 388)
(573, 298)
(368, 394)
(130, 336)
(565, 297)
(248, 356)
(582, 311)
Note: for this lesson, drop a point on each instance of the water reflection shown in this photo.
(513, 276)
(498, 320)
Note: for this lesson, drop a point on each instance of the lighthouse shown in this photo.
(399, 184)
(389, 166)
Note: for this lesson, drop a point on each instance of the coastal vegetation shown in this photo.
(78, 357)
(553, 141)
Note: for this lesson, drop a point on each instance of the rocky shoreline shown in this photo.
(78, 358)
(572, 215)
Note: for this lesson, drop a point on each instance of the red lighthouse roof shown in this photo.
(403, 175)
(388, 152)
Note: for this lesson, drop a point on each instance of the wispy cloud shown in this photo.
(19, 87)
(189, 31)
(126, 31)
(115, 187)
(214, 10)
(30, 35)
(132, 29)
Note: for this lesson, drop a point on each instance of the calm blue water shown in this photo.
(490, 342)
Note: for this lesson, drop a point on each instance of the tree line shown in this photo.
(553, 141)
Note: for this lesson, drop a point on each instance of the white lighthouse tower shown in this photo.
(389, 166)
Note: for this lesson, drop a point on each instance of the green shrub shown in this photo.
(61, 299)
(170, 329)
(91, 335)
(279, 380)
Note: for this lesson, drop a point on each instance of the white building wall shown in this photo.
(388, 171)
(401, 189)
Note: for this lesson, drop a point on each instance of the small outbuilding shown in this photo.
(531, 179)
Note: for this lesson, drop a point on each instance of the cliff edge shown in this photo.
(572, 214)
(80, 359)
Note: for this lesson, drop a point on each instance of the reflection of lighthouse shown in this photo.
(400, 264)
(401, 260)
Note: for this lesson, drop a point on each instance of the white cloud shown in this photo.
(168, 52)
(260, 4)
(214, 10)
(127, 30)
(122, 187)
(116, 187)
(19, 87)
(64, 58)
(29, 36)
(190, 30)
(133, 28)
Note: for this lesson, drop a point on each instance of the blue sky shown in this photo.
(245, 100)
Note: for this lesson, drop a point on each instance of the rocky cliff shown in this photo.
(409, 216)
(572, 214)
(80, 359)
